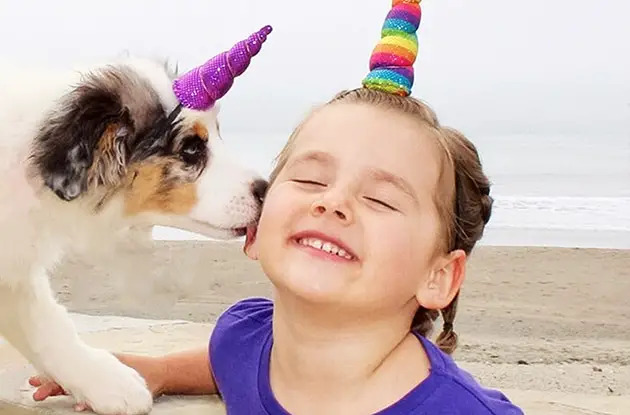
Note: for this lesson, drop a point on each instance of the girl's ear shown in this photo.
(444, 282)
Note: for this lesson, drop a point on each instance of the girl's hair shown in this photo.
(463, 193)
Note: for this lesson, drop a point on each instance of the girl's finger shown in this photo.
(47, 390)
(35, 381)
(80, 407)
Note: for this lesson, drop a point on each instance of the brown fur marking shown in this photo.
(151, 190)
(201, 130)
(108, 165)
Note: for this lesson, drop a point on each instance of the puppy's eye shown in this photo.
(192, 148)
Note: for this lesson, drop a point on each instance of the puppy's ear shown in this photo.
(82, 142)
(171, 71)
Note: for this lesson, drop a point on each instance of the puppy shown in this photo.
(85, 156)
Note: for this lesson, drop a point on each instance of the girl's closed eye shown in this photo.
(309, 182)
(382, 203)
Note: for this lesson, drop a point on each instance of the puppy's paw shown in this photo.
(109, 387)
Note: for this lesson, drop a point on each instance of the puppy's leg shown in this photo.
(9, 327)
(45, 333)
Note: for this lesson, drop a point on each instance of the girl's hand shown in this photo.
(152, 369)
(45, 388)
(48, 388)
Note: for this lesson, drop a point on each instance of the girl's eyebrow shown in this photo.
(320, 157)
(381, 175)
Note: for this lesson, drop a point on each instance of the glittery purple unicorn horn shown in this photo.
(202, 86)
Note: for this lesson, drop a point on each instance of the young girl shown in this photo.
(370, 215)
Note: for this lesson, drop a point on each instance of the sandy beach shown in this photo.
(537, 320)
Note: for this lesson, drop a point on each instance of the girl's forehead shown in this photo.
(364, 138)
(353, 129)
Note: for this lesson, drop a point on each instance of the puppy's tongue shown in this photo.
(250, 237)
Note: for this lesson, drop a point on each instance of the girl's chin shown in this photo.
(300, 275)
(312, 290)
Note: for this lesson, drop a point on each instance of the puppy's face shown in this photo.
(114, 141)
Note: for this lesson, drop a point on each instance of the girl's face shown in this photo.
(351, 219)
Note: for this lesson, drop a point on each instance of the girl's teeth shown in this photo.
(325, 246)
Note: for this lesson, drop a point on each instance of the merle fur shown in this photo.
(64, 148)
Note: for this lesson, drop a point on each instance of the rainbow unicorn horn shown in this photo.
(202, 86)
(391, 63)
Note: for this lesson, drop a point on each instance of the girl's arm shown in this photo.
(188, 373)
(181, 373)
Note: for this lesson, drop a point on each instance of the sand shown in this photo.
(535, 322)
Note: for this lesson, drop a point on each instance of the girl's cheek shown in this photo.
(275, 213)
(282, 201)
(397, 244)
(270, 206)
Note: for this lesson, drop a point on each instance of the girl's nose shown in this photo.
(331, 204)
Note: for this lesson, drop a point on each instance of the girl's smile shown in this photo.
(323, 246)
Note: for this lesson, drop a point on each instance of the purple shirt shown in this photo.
(240, 347)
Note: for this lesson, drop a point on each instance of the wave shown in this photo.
(562, 212)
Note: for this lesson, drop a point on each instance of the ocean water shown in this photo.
(549, 190)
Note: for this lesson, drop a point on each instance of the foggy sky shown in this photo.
(487, 66)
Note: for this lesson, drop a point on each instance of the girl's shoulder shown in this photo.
(236, 343)
(254, 308)
(249, 319)
(459, 392)
(246, 316)
(236, 348)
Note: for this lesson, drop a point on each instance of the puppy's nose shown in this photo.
(259, 189)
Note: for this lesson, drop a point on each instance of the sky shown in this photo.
(493, 67)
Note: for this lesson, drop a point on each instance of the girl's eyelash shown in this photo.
(380, 202)
(371, 199)
(308, 182)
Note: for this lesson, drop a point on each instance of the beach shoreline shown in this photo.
(494, 236)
